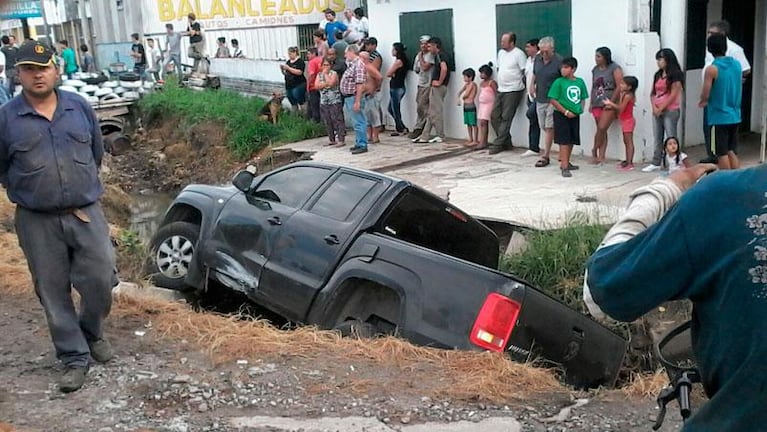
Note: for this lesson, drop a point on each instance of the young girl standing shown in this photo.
(625, 108)
(673, 158)
(487, 90)
(468, 96)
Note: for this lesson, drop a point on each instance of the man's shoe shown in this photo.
(101, 350)
(72, 379)
(415, 133)
(495, 150)
(436, 140)
(529, 153)
(358, 150)
(572, 167)
(566, 173)
(650, 168)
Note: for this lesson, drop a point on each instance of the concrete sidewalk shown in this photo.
(504, 186)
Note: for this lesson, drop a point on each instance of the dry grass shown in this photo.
(14, 274)
(646, 385)
(467, 375)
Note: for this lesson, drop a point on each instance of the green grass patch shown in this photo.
(555, 259)
(236, 112)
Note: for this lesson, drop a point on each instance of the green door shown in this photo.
(536, 20)
(437, 23)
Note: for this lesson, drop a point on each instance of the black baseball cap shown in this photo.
(35, 53)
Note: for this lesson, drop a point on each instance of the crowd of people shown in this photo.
(555, 96)
(343, 77)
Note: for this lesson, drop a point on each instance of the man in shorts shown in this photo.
(721, 95)
(372, 98)
(545, 71)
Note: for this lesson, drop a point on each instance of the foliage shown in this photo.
(246, 133)
(129, 241)
(555, 259)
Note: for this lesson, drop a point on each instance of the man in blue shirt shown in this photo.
(662, 249)
(50, 153)
(721, 95)
(332, 26)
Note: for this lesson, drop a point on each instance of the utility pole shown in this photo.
(45, 24)
(84, 25)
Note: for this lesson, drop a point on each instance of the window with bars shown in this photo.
(305, 37)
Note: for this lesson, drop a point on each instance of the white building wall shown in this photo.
(759, 69)
(475, 44)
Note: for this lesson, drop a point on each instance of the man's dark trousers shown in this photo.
(62, 252)
(505, 107)
(314, 106)
(534, 132)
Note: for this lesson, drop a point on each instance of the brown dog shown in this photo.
(271, 111)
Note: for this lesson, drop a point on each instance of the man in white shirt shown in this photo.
(735, 51)
(511, 89)
(4, 94)
(2, 66)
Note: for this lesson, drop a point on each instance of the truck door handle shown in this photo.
(332, 239)
(274, 220)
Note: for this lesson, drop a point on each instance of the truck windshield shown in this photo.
(426, 221)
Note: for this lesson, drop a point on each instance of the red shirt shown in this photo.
(314, 68)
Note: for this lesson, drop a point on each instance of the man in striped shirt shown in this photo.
(353, 89)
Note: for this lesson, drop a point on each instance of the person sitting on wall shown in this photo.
(222, 51)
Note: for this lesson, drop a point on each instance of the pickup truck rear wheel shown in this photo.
(356, 329)
(172, 252)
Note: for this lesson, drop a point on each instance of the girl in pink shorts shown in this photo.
(625, 108)
(487, 90)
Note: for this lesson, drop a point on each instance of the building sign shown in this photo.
(19, 9)
(239, 14)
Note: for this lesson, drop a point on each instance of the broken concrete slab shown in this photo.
(337, 424)
(148, 291)
(369, 424)
(494, 424)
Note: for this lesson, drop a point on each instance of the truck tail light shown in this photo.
(495, 322)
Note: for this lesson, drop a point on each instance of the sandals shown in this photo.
(542, 162)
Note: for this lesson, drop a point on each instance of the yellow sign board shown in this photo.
(231, 14)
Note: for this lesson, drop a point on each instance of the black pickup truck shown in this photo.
(345, 249)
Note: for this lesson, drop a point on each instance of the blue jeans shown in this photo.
(359, 121)
(176, 59)
(296, 95)
(395, 99)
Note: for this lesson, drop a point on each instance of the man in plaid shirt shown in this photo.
(352, 89)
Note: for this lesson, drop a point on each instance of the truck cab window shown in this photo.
(342, 197)
(293, 186)
(431, 223)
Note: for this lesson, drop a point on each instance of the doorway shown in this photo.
(741, 15)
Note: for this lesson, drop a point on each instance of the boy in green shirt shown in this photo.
(567, 94)
(70, 59)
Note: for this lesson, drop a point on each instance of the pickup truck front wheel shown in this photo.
(172, 252)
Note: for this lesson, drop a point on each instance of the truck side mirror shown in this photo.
(244, 179)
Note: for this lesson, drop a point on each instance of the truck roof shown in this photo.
(394, 180)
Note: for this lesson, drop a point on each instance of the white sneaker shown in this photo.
(436, 139)
(650, 168)
(529, 153)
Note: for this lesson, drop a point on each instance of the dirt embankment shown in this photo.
(177, 369)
